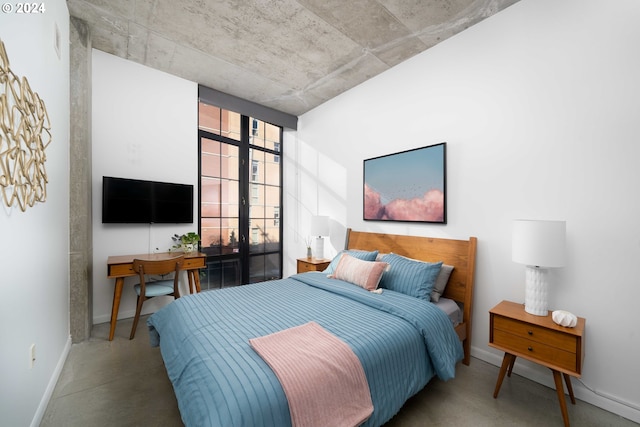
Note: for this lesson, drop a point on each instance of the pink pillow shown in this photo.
(366, 274)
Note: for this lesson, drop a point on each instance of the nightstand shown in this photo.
(540, 340)
(312, 264)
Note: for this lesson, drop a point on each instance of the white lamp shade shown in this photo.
(319, 225)
(539, 243)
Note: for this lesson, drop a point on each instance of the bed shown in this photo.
(401, 341)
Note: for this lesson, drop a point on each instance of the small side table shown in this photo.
(312, 264)
(540, 340)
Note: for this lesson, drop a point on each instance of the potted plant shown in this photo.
(186, 242)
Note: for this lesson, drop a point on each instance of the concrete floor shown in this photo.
(124, 383)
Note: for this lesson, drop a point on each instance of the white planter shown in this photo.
(188, 247)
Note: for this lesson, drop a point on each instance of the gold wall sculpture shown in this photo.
(25, 133)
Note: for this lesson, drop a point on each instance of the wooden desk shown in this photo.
(121, 266)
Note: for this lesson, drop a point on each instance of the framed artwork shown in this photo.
(408, 186)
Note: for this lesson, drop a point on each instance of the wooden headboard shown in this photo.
(459, 253)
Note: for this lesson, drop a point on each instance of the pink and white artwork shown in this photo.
(407, 186)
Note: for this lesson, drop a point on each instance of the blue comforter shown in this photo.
(401, 341)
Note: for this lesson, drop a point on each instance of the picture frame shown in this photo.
(408, 186)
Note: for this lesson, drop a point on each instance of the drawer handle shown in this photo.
(530, 348)
(530, 332)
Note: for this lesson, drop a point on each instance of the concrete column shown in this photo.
(81, 240)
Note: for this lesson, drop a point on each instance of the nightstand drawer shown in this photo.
(312, 264)
(535, 350)
(536, 333)
(303, 267)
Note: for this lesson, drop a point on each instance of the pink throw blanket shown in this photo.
(321, 376)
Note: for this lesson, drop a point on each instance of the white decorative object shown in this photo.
(188, 247)
(319, 228)
(564, 318)
(538, 245)
(536, 292)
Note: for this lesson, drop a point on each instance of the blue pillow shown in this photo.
(411, 277)
(356, 253)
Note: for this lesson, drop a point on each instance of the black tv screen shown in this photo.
(135, 201)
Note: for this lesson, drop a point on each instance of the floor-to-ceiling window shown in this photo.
(240, 197)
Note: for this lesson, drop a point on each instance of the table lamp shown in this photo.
(538, 245)
(319, 228)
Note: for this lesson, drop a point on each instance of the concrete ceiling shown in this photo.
(290, 55)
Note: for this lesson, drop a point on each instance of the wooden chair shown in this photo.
(154, 288)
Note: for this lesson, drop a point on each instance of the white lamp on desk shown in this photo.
(538, 245)
(319, 228)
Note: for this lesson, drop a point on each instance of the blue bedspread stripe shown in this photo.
(220, 381)
(424, 316)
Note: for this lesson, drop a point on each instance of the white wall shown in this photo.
(34, 254)
(539, 108)
(144, 127)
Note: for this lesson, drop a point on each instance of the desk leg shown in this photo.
(190, 278)
(196, 279)
(557, 377)
(117, 294)
(507, 364)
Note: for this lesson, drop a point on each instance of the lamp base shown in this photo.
(319, 247)
(536, 292)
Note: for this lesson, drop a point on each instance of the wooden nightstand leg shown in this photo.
(560, 390)
(567, 379)
(507, 361)
(513, 361)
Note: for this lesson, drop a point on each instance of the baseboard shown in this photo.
(122, 314)
(46, 397)
(541, 375)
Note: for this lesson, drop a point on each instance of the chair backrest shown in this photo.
(162, 266)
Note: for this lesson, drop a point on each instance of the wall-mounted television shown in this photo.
(134, 201)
